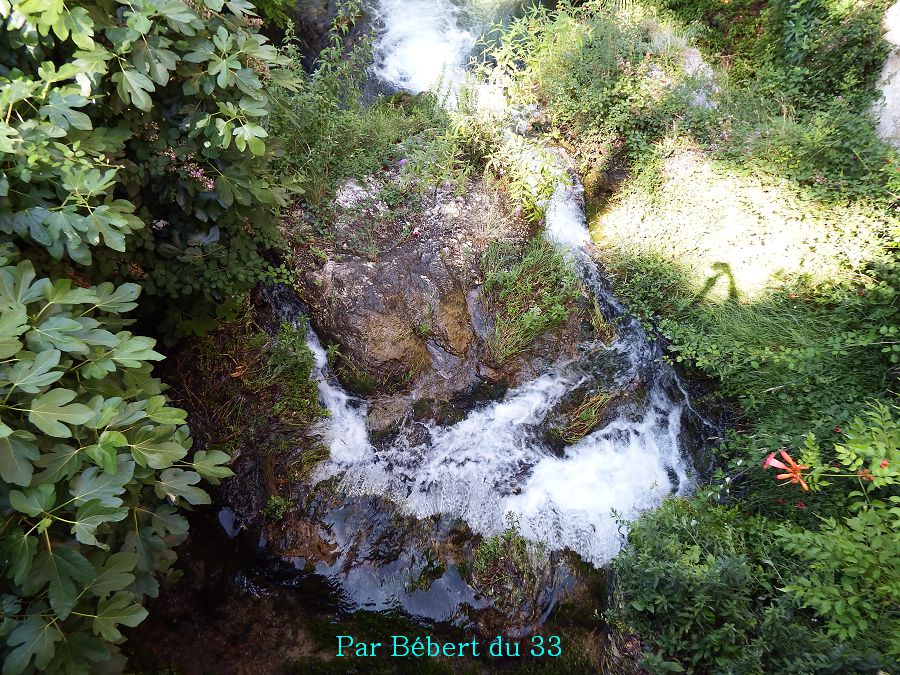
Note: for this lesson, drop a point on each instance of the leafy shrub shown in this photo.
(95, 467)
(118, 116)
(852, 565)
(700, 584)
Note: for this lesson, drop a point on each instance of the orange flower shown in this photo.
(794, 471)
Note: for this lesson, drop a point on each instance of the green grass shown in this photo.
(529, 292)
(585, 417)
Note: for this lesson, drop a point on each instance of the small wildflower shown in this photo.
(837, 430)
(401, 163)
(800, 505)
(416, 232)
(865, 474)
(779, 501)
(794, 471)
(792, 296)
(884, 464)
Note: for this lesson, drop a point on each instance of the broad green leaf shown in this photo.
(59, 110)
(160, 413)
(176, 483)
(115, 575)
(79, 650)
(208, 463)
(66, 572)
(76, 22)
(93, 483)
(116, 299)
(18, 451)
(133, 87)
(132, 350)
(13, 321)
(18, 285)
(167, 520)
(51, 412)
(31, 376)
(119, 609)
(20, 549)
(33, 501)
(90, 516)
(154, 447)
(56, 332)
(61, 463)
(103, 452)
(33, 637)
(62, 293)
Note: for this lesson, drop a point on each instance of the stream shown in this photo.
(391, 525)
(494, 465)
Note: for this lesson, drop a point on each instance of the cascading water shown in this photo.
(494, 462)
(497, 460)
(422, 43)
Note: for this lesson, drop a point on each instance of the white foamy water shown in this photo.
(495, 461)
(422, 43)
(566, 223)
(345, 429)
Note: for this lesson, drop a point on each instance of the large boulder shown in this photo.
(397, 286)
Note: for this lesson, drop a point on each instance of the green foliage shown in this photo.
(616, 82)
(95, 466)
(276, 507)
(701, 585)
(529, 293)
(852, 575)
(278, 12)
(177, 143)
(328, 133)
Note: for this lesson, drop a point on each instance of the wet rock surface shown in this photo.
(403, 300)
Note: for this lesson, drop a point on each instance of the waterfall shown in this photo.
(494, 461)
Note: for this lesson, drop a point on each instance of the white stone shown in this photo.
(887, 111)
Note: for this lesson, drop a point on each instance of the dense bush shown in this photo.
(131, 147)
(140, 127)
(712, 590)
(95, 467)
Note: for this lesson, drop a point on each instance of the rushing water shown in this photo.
(497, 460)
(422, 43)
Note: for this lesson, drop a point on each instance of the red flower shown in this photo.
(884, 464)
(837, 430)
(865, 474)
(792, 296)
(800, 505)
(779, 501)
(794, 471)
